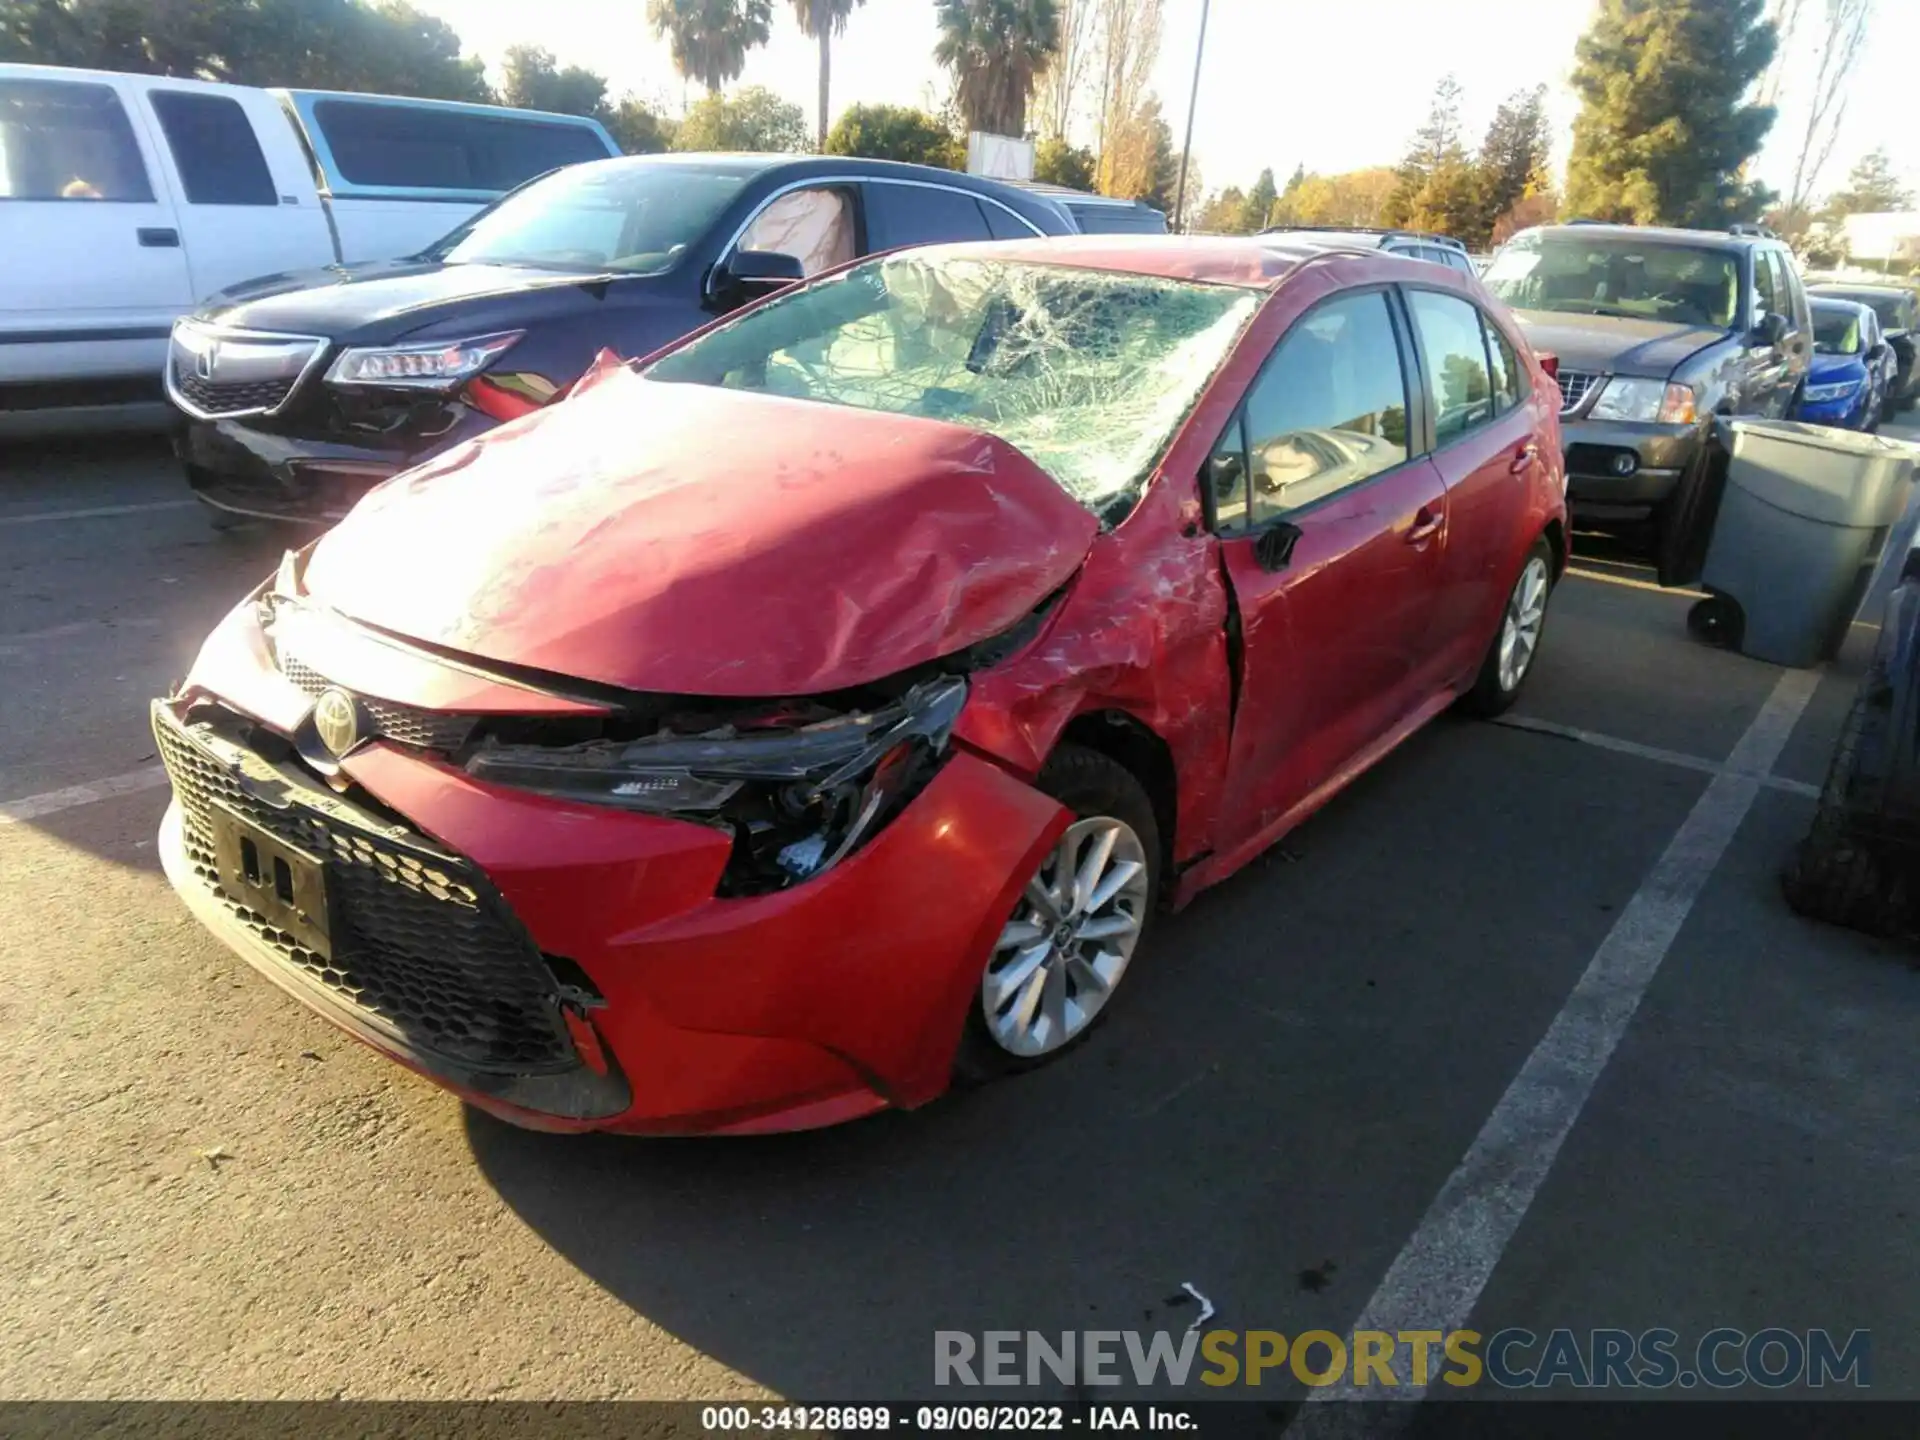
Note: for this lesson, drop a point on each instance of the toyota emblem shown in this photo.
(336, 720)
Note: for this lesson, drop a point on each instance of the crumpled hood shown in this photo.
(687, 540)
(1614, 344)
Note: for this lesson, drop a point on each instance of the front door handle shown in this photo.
(1523, 457)
(159, 237)
(1426, 525)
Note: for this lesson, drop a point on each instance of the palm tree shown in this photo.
(823, 19)
(710, 38)
(995, 49)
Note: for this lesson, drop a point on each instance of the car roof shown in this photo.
(1834, 302)
(1366, 236)
(1067, 195)
(1250, 260)
(1668, 234)
(1867, 287)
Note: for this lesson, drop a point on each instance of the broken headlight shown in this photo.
(797, 799)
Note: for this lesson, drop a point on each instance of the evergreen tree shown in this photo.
(754, 118)
(1055, 162)
(1259, 203)
(1435, 164)
(1663, 132)
(1513, 162)
(895, 132)
(531, 80)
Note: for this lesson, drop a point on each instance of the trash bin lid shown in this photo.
(1836, 477)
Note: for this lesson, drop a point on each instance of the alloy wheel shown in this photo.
(1062, 954)
(1520, 630)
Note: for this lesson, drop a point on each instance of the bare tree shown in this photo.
(1784, 15)
(1841, 42)
(1129, 45)
(1060, 85)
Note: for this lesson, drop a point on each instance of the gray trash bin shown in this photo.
(1801, 523)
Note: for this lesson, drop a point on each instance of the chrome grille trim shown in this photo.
(1576, 388)
(263, 369)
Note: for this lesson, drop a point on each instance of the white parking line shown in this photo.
(1653, 752)
(18, 812)
(1438, 1276)
(41, 517)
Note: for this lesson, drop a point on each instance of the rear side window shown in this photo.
(63, 140)
(414, 148)
(1509, 375)
(1329, 409)
(1772, 298)
(921, 215)
(1118, 220)
(214, 149)
(1003, 224)
(1454, 350)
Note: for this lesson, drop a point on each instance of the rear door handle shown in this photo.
(159, 237)
(1523, 457)
(1426, 525)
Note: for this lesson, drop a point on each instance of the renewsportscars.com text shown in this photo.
(1512, 1359)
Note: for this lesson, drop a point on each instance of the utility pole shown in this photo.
(1193, 102)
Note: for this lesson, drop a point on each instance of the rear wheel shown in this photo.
(1074, 931)
(1509, 659)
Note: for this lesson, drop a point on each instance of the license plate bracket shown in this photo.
(280, 881)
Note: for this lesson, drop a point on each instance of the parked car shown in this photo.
(1415, 244)
(130, 197)
(1103, 214)
(1897, 308)
(770, 731)
(303, 391)
(1852, 367)
(1656, 331)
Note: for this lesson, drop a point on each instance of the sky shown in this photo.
(1283, 82)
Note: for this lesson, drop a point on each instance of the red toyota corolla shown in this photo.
(775, 730)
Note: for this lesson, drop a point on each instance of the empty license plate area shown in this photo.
(282, 882)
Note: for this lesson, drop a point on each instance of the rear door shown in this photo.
(239, 217)
(1329, 520)
(1484, 447)
(1770, 376)
(92, 273)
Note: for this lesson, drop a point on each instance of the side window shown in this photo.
(1459, 391)
(1789, 285)
(1226, 480)
(921, 215)
(60, 140)
(814, 226)
(1509, 375)
(1462, 263)
(1329, 409)
(1769, 298)
(214, 149)
(1003, 224)
(416, 147)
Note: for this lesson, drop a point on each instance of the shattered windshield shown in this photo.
(1629, 277)
(1088, 372)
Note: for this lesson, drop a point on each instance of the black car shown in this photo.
(1899, 310)
(1655, 331)
(1102, 214)
(303, 391)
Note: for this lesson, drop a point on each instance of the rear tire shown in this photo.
(1832, 874)
(1516, 641)
(1107, 801)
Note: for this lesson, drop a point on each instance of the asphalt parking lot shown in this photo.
(1337, 1090)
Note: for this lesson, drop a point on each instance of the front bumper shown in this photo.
(244, 468)
(802, 1008)
(1659, 455)
(1848, 412)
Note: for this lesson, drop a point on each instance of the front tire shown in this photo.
(1510, 657)
(1074, 932)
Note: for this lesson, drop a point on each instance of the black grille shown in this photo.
(217, 399)
(402, 724)
(421, 944)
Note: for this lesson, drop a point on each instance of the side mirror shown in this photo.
(1771, 330)
(760, 272)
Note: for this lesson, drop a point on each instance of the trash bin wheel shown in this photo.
(1833, 875)
(1717, 620)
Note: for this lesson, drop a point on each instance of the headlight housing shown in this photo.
(435, 365)
(1627, 397)
(796, 799)
(1838, 390)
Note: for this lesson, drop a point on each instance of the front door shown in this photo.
(1330, 525)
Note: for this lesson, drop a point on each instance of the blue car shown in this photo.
(1847, 385)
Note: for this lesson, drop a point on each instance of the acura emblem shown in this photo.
(336, 720)
(203, 360)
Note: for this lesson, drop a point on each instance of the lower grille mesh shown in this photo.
(420, 943)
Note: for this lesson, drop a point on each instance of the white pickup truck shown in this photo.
(127, 199)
